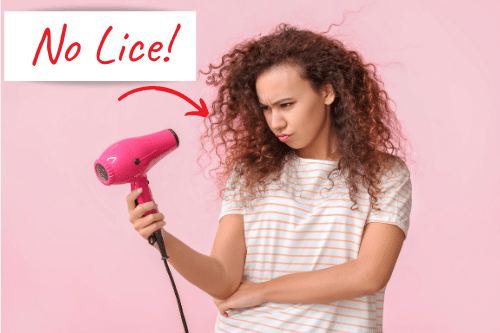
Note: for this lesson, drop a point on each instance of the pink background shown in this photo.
(71, 260)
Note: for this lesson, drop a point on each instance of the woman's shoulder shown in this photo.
(394, 166)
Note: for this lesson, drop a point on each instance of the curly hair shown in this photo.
(362, 119)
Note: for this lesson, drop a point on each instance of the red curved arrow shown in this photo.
(202, 108)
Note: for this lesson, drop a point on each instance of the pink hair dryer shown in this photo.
(128, 161)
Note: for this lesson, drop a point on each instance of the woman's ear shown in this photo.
(328, 93)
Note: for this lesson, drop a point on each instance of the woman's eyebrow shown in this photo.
(279, 101)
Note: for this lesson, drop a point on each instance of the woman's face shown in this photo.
(291, 106)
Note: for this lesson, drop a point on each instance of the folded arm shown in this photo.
(369, 272)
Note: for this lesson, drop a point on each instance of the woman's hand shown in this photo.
(145, 225)
(248, 294)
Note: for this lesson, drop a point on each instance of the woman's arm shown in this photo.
(344, 281)
(204, 272)
(370, 272)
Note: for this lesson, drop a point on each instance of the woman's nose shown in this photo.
(277, 121)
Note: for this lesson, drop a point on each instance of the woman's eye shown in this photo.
(283, 105)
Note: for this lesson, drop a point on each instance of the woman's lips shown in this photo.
(284, 137)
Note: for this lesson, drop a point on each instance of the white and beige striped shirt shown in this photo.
(301, 224)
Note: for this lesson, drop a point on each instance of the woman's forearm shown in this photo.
(203, 271)
(343, 281)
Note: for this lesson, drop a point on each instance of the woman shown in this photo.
(296, 112)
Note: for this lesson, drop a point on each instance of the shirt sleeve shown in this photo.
(395, 202)
(231, 202)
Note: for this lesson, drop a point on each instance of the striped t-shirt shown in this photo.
(302, 224)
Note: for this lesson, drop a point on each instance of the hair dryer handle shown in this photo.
(145, 195)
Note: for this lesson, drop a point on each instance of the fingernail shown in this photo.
(139, 190)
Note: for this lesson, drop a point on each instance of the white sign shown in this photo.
(99, 46)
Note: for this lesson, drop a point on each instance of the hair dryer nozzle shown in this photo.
(175, 135)
(101, 172)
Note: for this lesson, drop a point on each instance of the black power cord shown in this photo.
(157, 237)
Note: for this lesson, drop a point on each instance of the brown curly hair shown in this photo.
(361, 117)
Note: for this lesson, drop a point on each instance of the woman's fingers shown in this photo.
(148, 231)
(141, 209)
(217, 302)
(144, 224)
(147, 220)
(131, 199)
